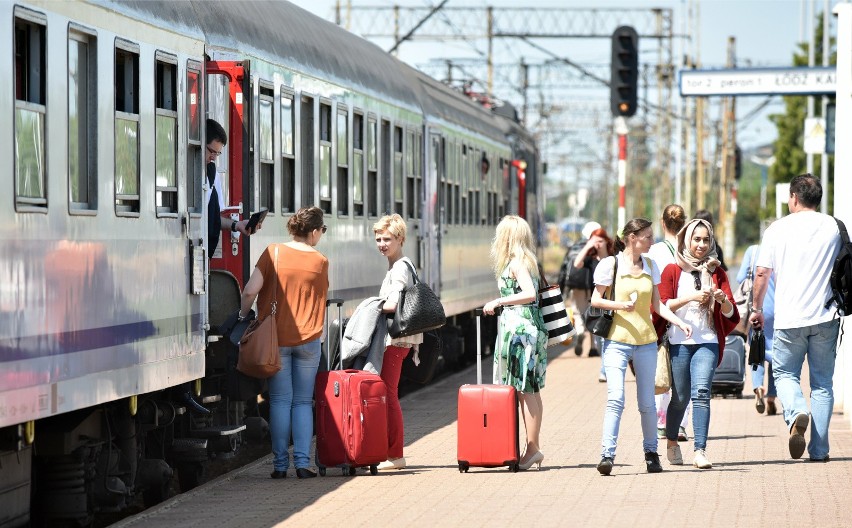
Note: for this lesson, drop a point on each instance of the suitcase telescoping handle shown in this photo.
(479, 313)
(328, 350)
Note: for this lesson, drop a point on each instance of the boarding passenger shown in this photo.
(632, 336)
(800, 250)
(663, 254)
(520, 353)
(298, 279)
(390, 234)
(697, 290)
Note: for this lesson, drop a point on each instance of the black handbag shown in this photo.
(757, 348)
(419, 309)
(597, 320)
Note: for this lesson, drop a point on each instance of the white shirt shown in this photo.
(800, 248)
(661, 255)
(703, 330)
(603, 273)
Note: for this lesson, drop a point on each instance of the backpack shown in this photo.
(841, 275)
(571, 277)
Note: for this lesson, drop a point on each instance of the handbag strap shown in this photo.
(614, 275)
(411, 267)
(275, 288)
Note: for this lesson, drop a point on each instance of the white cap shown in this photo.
(589, 228)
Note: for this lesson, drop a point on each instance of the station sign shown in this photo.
(758, 81)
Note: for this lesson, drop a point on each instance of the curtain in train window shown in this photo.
(288, 165)
(358, 163)
(325, 158)
(30, 110)
(342, 161)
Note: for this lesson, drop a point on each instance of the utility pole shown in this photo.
(826, 52)
(725, 225)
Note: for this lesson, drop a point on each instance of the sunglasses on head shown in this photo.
(324, 228)
(696, 275)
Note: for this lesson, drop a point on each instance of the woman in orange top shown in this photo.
(299, 276)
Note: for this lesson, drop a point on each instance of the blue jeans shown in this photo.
(819, 344)
(615, 357)
(692, 375)
(291, 393)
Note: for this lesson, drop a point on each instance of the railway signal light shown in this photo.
(624, 68)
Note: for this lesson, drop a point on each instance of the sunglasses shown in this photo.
(324, 228)
(696, 275)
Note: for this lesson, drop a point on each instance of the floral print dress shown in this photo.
(520, 354)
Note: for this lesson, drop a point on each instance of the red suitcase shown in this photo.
(487, 421)
(352, 418)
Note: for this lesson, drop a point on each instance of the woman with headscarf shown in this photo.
(697, 290)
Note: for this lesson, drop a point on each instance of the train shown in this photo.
(111, 302)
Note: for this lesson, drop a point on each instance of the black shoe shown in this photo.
(305, 473)
(578, 346)
(193, 405)
(652, 463)
(605, 466)
(278, 474)
(593, 352)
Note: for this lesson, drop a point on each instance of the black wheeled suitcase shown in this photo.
(729, 377)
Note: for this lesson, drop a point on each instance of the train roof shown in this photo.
(281, 32)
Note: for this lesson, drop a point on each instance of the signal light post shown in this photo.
(624, 77)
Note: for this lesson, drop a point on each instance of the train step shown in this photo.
(217, 431)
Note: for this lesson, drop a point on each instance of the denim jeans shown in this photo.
(615, 357)
(692, 375)
(291, 393)
(819, 344)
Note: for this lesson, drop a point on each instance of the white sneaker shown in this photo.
(700, 460)
(396, 463)
(674, 455)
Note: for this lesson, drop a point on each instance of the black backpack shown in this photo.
(841, 275)
(571, 277)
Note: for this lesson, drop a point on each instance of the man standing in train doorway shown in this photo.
(217, 138)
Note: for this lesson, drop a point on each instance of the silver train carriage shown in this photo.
(110, 299)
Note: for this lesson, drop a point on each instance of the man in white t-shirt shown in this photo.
(800, 249)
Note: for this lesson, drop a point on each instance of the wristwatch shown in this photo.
(757, 310)
(234, 226)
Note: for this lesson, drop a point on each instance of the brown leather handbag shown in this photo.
(259, 357)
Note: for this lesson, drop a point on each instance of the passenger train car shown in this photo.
(110, 299)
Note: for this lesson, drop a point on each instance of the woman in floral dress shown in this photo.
(520, 355)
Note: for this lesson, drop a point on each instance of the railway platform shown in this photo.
(753, 481)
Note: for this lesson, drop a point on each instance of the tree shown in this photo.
(790, 157)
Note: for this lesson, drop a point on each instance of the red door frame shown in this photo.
(235, 72)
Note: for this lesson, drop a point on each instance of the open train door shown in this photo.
(228, 101)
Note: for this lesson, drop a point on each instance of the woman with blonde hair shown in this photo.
(521, 348)
(390, 233)
(298, 281)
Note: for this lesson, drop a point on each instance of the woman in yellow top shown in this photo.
(632, 336)
(299, 278)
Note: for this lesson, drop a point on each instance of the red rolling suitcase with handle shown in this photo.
(487, 421)
(352, 417)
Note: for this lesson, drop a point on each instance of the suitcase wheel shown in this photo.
(374, 469)
(352, 471)
(321, 471)
(463, 467)
(514, 468)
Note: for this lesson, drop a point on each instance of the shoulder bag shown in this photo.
(556, 320)
(259, 356)
(663, 378)
(419, 309)
(598, 320)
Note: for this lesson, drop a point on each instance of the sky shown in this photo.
(766, 34)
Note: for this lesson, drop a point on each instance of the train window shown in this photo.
(463, 176)
(166, 137)
(418, 172)
(386, 167)
(410, 194)
(307, 138)
(358, 163)
(30, 114)
(82, 121)
(265, 135)
(194, 160)
(342, 161)
(372, 166)
(126, 131)
(397, 170)
(288, 182)
(325, 158)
